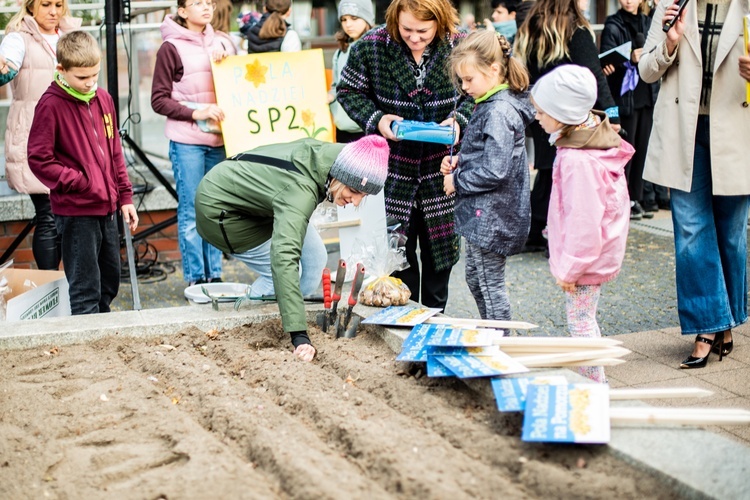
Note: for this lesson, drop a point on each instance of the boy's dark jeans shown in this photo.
(91, 260)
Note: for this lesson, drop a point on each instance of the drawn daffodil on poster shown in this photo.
(272, 98)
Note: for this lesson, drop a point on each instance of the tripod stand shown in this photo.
(127, 239)
(162, 180)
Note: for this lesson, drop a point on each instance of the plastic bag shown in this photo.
(324, 217)
(5, 289)
(385, 291)
(383, 255)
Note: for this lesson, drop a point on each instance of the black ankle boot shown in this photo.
(694, 362)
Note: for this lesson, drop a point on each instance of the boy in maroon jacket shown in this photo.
(74, 149)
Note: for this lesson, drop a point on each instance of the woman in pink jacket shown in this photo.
(183, 91)
(589, 209)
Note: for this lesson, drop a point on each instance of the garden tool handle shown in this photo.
(340, 276)
(359, 277)
(327, 288)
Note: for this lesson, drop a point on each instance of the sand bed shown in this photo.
(232, 414)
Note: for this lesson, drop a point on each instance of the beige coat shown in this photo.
(34, 76)
(669, 161)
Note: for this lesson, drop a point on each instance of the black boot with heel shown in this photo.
(700, 362)
(724, 349)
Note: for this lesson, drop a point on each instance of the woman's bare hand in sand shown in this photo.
(305, 352)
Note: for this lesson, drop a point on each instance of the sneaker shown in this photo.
(644, 213)
(636, 212)
(650, 206)
(215, 280)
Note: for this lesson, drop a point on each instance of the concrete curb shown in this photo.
(697, 463)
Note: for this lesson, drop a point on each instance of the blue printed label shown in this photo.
(414, 347)
(510, 393)
(437, 369)
(407, 315)
(575, 413)
(464, 337)
(481, 366)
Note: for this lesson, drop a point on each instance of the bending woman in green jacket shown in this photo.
(257, 205)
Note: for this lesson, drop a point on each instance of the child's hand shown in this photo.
(448, 165)
(131, 217)
(210, 112)
(219, 55)
(456, 128)
(567, 287)
(448, 186)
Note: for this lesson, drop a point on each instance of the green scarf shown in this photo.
(70, 90)
(491, 92)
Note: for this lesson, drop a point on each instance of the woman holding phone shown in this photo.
(697, 150)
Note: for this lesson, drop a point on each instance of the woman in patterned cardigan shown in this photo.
(397, 72)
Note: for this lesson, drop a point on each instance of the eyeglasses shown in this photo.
(204, 3)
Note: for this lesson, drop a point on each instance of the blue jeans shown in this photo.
(710, 237)
(313, 260)
(91, 260)
(190, 163)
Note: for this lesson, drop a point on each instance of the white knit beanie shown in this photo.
(567, 93)
(358, 8)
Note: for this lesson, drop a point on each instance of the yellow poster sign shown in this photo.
(271, 98)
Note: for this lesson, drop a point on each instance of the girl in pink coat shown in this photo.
(589, 209)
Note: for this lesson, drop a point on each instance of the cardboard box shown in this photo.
(48, 299)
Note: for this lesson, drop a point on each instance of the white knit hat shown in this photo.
(567, 93)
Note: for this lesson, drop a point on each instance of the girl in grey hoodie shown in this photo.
(491, 176)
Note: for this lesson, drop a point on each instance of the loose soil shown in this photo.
(232, 414)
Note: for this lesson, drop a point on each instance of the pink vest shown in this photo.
(197, 83)
(33, 78)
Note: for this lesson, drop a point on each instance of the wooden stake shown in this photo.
(569, 357)
(680, 416)
(593, 362)
(562, 342)
(583, 362)
(658, 392)
(484, 323)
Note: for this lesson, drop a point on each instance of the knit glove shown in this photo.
(299, 338)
